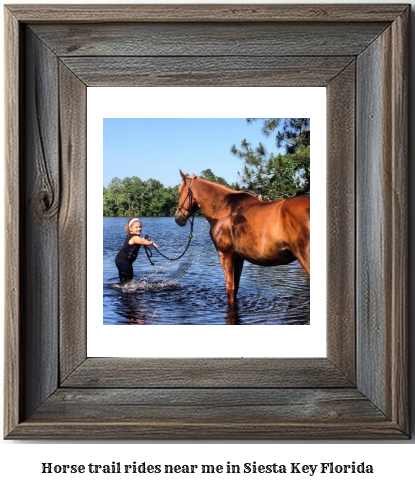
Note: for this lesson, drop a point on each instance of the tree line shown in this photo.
(150, 198)
(133, 196)
(267, 176)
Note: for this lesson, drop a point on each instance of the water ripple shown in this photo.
(192, 290)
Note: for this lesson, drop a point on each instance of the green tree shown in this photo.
(113, 197)
(132, 196)
(293, 134)
(286, 174)
(208, 174)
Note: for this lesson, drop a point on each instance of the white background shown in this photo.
(20, 462)
(218, 341)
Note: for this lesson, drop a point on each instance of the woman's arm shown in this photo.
(142, 241)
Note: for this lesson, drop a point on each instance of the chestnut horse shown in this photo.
(244, 228)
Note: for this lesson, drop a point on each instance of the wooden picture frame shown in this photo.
(360, 53)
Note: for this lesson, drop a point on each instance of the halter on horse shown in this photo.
(244, 228)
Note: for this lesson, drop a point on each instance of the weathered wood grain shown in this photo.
(209, 405)
(400, 232)
(182, 39)
(72, 222)
(13, 272)
(213, 431)
(207, 13)
(341, 236)
(207, 399)
(38, 254)
(207, 71)
(373, 220)
(382, 222)
(206, 373)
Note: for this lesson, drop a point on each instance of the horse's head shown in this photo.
(187, 205)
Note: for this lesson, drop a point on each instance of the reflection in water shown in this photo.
(232, 315)
(192, 290)
(132, 310)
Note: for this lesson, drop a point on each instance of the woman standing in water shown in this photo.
(128, 253)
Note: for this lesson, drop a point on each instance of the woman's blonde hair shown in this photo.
(127, 227)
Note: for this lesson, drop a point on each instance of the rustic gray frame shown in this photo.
(360, 53)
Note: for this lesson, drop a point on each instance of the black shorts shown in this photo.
(125, 270)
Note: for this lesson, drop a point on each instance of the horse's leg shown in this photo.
(239, 264)
(228, 265)
(302, 253)
(305, 262)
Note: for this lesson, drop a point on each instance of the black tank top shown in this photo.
(128, 252)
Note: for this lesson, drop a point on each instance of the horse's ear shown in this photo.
(193, 176)
(182, 175)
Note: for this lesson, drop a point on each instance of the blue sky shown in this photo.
(158, 148)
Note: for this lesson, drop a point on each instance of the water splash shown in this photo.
(143, 284)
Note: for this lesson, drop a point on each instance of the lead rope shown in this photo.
(150, 254)
(149, 251)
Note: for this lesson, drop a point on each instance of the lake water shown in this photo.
(191, 291)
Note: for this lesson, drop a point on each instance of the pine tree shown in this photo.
(286, 174)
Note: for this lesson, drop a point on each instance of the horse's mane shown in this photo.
(223, 188)
(230, 191)
(214, 183)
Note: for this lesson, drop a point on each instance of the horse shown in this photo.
(244, 228)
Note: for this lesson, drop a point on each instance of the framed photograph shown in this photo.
(140, 138)
(53, 387)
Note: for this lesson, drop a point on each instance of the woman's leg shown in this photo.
(125, 271)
